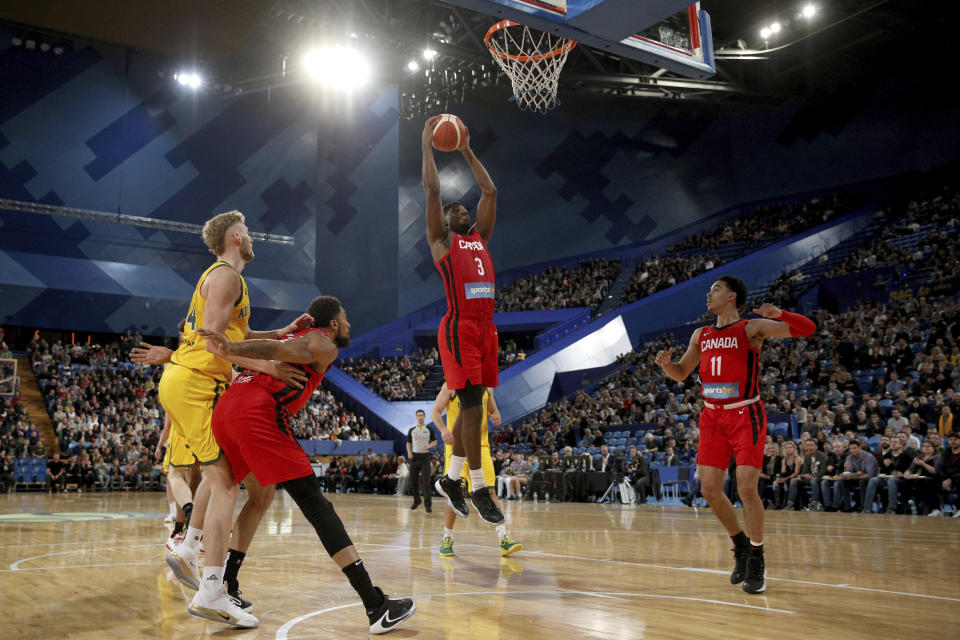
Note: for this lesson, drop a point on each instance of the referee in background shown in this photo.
(420, 439)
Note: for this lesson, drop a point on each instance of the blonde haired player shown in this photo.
(188, 390)
(447, 399)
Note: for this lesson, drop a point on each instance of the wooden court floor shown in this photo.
(91, 566)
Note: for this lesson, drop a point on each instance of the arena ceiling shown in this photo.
(247, 42)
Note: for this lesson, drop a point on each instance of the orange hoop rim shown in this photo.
(503, 24)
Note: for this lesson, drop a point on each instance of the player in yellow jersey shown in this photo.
(447, 400)
(189, 388)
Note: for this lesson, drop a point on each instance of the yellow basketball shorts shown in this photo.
(178, 454)
(188, 398)
(486, 463)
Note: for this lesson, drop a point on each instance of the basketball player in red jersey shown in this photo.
(251, 423)
(733, 422)
(467, 337)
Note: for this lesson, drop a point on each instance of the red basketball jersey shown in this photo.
(467, 272)
(286, 396)
(728, 364)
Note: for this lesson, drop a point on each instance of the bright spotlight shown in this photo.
(809, 11)
(775, 27)
(413, 66)
(340, 67)
(44, 46)
(429, 54)
(765, 33)
(189, 79)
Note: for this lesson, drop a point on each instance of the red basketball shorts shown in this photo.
(468, 351)
(726, 433)
(252, 432)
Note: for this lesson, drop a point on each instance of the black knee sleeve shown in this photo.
(471, 396)
(319, 512)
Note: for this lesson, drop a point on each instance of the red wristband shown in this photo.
(799, 325)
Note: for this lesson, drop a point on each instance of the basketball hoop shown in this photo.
(532, 62)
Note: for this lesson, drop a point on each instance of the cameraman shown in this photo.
(638, 472)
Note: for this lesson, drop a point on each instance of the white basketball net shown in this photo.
(532, 60)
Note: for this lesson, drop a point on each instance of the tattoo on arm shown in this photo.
(259, 349)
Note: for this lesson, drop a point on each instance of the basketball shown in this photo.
(448, 132)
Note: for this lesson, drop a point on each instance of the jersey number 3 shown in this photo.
(715, 365)
(479, 265)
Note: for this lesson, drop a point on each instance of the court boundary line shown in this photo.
(703, 570)
(282, 633)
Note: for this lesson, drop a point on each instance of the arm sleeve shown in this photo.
(800, 325)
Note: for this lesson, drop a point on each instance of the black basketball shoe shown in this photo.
(391, 613)
(453, 491)
(740, 557)
(485, 506)
(756, 580)
(234, 594)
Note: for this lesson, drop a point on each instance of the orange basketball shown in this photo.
(448, 131)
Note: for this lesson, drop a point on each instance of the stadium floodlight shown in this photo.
(339, 67)
(413, 66)
(429, 54)
(809, 11)
(775, 27)
(765, 33)
(190, 79)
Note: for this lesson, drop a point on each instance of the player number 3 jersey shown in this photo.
(468, 277)
(728, 364)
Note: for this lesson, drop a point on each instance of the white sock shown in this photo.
(173, 509)
(501, 531)
(476, 479)
(756, 544)
(447, 533)
(192, 539)
(456, 467)
(212, 579)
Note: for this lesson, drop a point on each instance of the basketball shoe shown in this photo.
(183, 562)
(485, 506)
(756, 580)
(233, 591)
(446, 546)
(453, 491)
(218, 606)
(508, 545)
(740, 557)
(391, 613)
(173, 541)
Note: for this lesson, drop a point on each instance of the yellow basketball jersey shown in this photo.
(453, 410)
(192, 351)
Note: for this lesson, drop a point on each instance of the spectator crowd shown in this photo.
(561, 288)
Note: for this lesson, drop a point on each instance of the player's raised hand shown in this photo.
(768, 310)
(427, 137)
(150, 354)
(219, 341)
(664, 357)
(305, 321)
(464, 140)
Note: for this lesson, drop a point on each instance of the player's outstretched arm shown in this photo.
(312, 348)
(305, 321)
(487, 207)
(436, 229)
(436, 413)
(148, 353)
(777, 323)
(691, 358)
